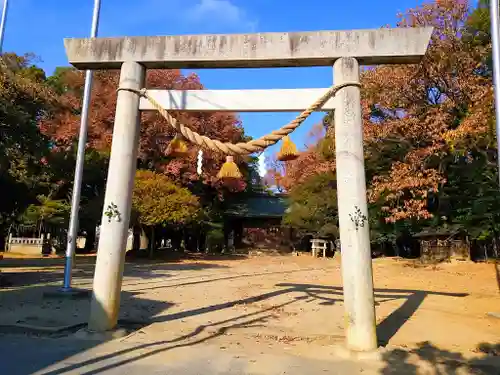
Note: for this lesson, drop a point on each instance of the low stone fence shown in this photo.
(25, 245)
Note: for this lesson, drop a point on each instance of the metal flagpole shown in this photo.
(80, 159)
(2, 23)
(495, 37)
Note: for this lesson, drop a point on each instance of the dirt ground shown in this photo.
(285, 304)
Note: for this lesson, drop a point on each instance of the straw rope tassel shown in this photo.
(177, 147)
(288, 150)
(229, 169)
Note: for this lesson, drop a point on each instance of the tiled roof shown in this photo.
(264, 206)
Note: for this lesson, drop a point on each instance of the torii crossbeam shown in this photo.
(344, 50)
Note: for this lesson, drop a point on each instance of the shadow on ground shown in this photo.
(387, 328)
(396, 361)
(44, 350)
(26, 272)
(429, 359)
(47, 336)
(141, 258)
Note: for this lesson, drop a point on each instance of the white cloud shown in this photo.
(224, 11)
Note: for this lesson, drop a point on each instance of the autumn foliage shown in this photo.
(430, 150)
(424, 125)
(437, 108)
(156, 133)
(39, 133)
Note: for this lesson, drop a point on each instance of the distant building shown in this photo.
(255, 222)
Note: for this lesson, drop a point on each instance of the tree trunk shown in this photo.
(227, 230)
(136, 240)
(40, 229)
(176, 239)
(469, 248)
(186, 238)
(90, 239)
(238, 234)
(202, 242)
(152, 244)
(497, 272)
(4, 234)
(495, 247)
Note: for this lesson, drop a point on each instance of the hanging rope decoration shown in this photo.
(288, 150)
(199, 166)
(177, 147)
(229, 168)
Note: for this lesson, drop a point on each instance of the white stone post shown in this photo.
(353, 213)
(117, 203)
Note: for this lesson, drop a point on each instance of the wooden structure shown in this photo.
(442, 246)
(255, 222)
(319, 246)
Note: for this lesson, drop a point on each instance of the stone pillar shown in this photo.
(353, 213)
(117, 203)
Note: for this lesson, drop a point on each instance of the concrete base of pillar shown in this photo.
(68, 293)
(117, 333)
(123, 329)
(372, 355)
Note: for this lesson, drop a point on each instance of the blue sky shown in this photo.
(39, 26)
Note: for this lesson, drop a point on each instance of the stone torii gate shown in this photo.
(344, 50)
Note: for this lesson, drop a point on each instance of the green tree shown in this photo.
(430, 154)
(157, 201)
(62, 80)
(477, 34)
(47, 211)
(24, 100)
(61, 164)
(23, 66)
(313, 207)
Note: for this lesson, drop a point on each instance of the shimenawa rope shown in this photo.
(241, 148)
